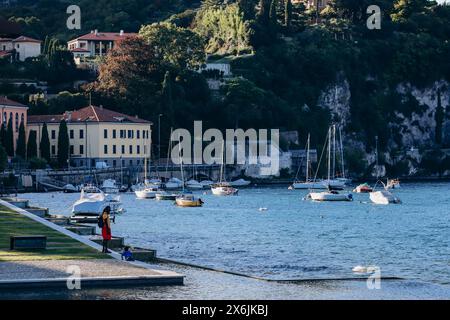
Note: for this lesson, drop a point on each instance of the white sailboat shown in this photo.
(308, 184)
(145, 190)
(223, 188)
(383, 197)
(186, 199)
(331, 194)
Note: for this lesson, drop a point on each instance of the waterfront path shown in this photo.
(65, 251)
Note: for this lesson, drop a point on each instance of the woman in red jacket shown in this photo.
(106, 229)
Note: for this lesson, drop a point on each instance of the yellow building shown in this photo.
(96, 135)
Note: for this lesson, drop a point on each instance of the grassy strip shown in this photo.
(59, 246)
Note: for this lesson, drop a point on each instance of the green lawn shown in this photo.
(59, 246)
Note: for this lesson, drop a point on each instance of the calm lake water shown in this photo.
(293, 239)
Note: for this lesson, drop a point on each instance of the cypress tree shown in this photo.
(3, 158)
(44, 145)
(287, 13)
(9, 143)
(273, 13)
(63, 144)
(32, 145)
(3, 134)
(21, 147)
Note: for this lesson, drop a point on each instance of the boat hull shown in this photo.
(383, 197)
(330, 196)
(188, 203)
(224, 191)
(160, 196)
(145, 194)
(308, 185)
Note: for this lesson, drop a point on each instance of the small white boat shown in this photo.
(240, 183)
(173, 183)
(188, 200)
(110, 186)
(384, 197)
(330, 196)
(146, 193)
(164, 195)
(194, 184)
(92, 202)
(223, 189)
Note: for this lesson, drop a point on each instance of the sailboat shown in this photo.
(186, 199)
(145, 191)
(162, 194)
(331, 194)
(308, 184)
(223, 188)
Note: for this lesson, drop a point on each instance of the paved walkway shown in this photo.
(48, 269)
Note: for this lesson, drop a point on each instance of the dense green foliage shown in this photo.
(3, 158)
(9, 140)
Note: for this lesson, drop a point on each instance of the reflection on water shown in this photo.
(293, 238)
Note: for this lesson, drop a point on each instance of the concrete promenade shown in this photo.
(67, 253)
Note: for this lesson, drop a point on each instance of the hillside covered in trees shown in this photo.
(293, 66)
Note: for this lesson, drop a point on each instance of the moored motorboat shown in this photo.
(240, 183)
(146, 193)
(164, 195)
(363, 188)
(330, 196)
(188, 200)
(91, 204)
(308, 185)
(109, 186)
(194, 184)
(173, 183)
(223, 189)
(384, 197)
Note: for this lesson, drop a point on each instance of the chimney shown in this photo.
(92, 31)
(101, 106)
(136, 116)
(121, 32)
(96, 32)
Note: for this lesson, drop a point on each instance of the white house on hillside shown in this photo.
(20, 48)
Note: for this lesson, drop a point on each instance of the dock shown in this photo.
(67, 251)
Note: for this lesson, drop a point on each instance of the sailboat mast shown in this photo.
(342, 153)
(307, 159)
(181, 164)
(221, 165)
(334, 151)
(329, 155)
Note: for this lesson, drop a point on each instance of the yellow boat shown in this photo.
(188, 201)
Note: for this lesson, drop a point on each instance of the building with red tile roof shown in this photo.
(95, 43)
(20, 48)
(13, 111)
(98, 134)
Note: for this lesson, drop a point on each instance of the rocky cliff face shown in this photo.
(416, 126)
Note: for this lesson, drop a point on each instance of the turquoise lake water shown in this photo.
(293, 239)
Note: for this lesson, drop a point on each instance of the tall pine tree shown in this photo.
(3, 134)
(44, 145)
(9, 143)
(32, 145)
(21, 148)
(63, 144)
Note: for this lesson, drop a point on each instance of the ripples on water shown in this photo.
(293, 238)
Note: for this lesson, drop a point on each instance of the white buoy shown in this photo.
(262, 209)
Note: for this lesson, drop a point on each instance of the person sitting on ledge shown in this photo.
(127, 254)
